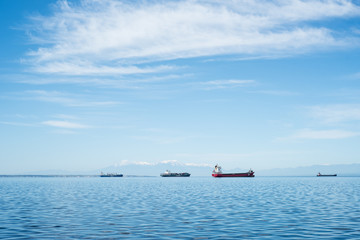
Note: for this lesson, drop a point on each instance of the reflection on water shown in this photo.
(180, 208)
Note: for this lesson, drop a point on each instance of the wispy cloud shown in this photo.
(66, 99)
(198, 164)
(127, 162)
(172, 162)
(115, 36)
(323, 134)
(120, 82)
(162, 139)
(276, 92)
(336, 113)
(353, 76)
(65, 116)
(64, 124)
(88, 68)
(18, 124)
(64, 131)
(232, 83)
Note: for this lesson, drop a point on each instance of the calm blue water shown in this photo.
(180, 208)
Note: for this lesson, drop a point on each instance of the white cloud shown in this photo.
(232, 83)
(127, 162)
(163, 139)
(336, 113)
(87, 68)
(121, 82)
(49, 96)
(64, 124)
(324, 134)
(114, 35)
(18, 124)
(173, 162)
(198, 164)
(143, 163)
(122, 163)
(66, 99)
(65, 116)
(64, 131)
(276, 92)
(355, 76)
(170, 161)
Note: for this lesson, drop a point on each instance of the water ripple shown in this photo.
(179, 208)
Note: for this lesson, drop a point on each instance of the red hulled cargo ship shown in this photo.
(218, 173)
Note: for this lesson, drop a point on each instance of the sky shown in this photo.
(245, 84)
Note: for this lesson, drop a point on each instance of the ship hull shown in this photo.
(233, 175)
(328, 175)
(119, 175)
(176, 175)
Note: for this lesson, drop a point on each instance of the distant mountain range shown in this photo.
(156, 169)
(147, 169)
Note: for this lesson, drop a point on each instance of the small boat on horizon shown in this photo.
(111, 174)
(218, 173)
(326, 175)
(167, 173)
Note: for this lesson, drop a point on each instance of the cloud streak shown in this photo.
(17, 124)
(276, 92)
(324, 134)
(65, 99)
(337, 113)
(118, 37)
(172, 162)
(232, 83)
(64, 124)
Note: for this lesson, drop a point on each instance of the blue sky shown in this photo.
(260, 84)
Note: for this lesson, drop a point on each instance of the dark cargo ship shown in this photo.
(170, 174)
(218, 173)
(111, 174)
(326, 175)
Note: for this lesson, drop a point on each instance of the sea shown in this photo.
(179, 208)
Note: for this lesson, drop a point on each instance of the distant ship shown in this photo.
(218, 173)
(110, 174)
(326, 175)
(167, 173)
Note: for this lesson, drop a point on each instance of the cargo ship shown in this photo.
(167, 173)
(218, 173)
(326, 175)
(110, 174)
